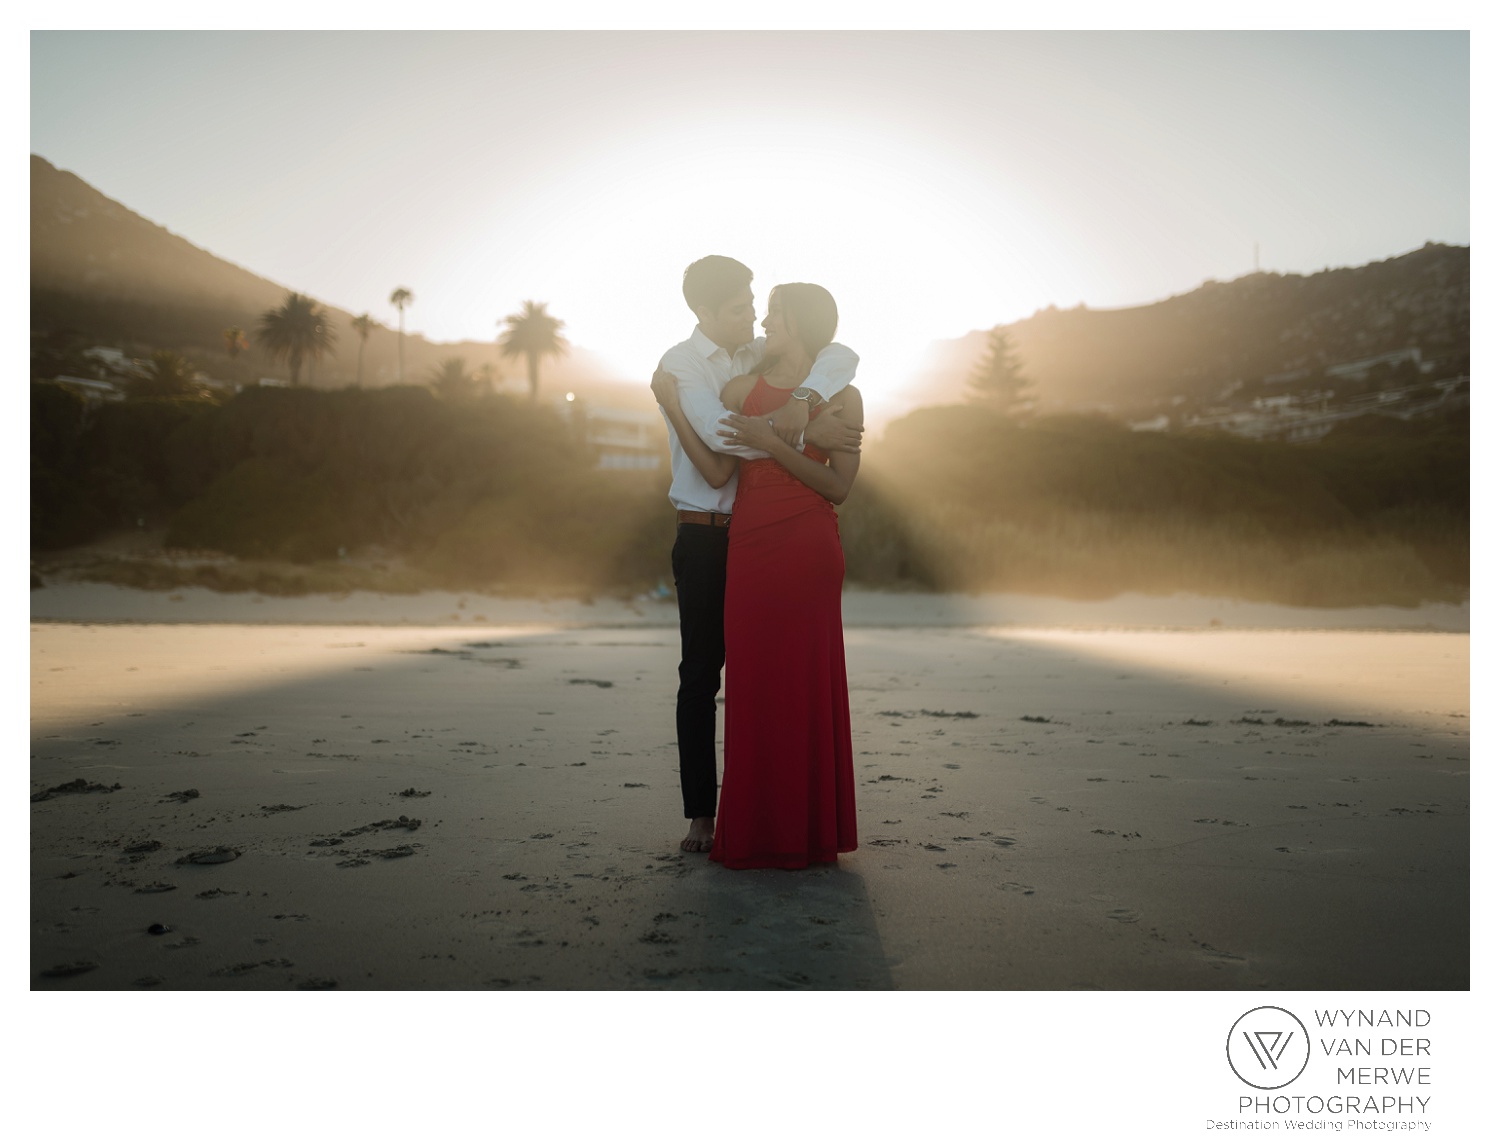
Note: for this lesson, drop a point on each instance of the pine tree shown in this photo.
(997, 381)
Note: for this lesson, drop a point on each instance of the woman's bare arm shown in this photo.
(715, 467)
(832, 481)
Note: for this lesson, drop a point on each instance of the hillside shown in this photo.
(102, 274)
(1199, 344)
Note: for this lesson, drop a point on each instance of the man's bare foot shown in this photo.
(700, 837)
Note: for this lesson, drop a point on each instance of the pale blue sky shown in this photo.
(936, 182)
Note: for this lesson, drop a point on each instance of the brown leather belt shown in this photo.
(707, 518)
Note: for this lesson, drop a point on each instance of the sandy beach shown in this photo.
(461, 792)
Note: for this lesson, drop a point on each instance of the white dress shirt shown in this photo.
(702, 369)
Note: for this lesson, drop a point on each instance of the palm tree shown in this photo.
(299, 331)
(234, 341)
(533, 334)
(452, 379)
(362, 325)
(166, 374)
(401, 298)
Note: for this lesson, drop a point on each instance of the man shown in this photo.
(723, 346)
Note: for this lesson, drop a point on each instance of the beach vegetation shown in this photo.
(401, 297)
(494, 491)
(362, 326)
(297, 332)
(534, 334)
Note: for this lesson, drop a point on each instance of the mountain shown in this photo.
(103, 275)
(1225, 336)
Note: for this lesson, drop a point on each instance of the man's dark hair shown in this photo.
(710, 282)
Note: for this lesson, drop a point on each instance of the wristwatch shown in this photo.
(806, 394)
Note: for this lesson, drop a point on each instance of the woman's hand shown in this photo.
(751, 431)
(664, 388)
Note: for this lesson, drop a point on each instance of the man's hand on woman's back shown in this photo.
(830, 433)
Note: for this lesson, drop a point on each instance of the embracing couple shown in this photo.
(765, 434)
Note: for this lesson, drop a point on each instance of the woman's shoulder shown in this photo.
(737, 389)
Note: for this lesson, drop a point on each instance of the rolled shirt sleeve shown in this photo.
(832, 371)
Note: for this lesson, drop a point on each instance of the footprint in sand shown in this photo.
(72, 786)
(1214, 954)
(392, 853)
(68, 970)
(219, 855)
(246, 968)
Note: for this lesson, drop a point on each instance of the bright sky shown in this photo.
(935, 182)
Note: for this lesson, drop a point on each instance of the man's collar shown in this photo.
(705, 344)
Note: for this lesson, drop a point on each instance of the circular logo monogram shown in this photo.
(1268, 1047)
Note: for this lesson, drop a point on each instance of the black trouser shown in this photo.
(699, 559)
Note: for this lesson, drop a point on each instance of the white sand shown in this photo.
(1112, 844)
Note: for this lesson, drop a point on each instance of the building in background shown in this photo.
(622, 439)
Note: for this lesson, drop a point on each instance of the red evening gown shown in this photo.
(787, 798)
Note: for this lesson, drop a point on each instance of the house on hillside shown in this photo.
(93, 391)
(625, 438)
(622, 439)
(1303, 418)
(1358, 370)
(111, 359)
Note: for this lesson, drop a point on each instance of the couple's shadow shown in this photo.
(777, 930)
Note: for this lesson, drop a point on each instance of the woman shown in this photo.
(787, 798)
